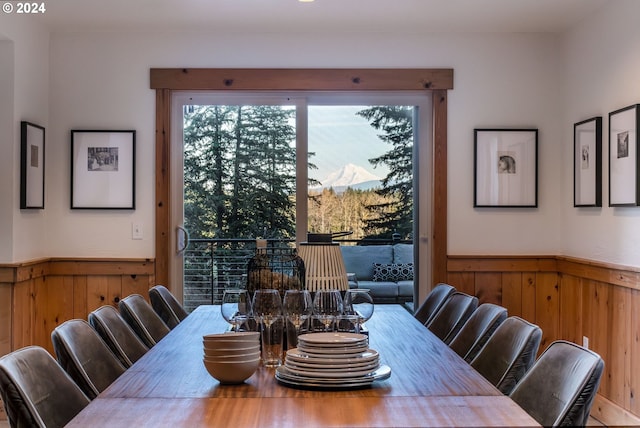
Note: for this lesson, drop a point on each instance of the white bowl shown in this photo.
(232, 357)
(232, 335)
(231, 344)
(232, 372)
(230, 351)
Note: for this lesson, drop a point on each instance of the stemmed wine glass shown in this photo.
(359, 302)
(298, 307)
(327, 306)
(267, 310)
(236, 307)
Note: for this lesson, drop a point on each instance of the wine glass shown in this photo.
(359, 302)
(267, 311)
(236, 307)
(327, 306)
(298, 307)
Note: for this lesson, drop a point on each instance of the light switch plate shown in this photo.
(136, 231)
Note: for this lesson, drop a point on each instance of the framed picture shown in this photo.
(623, 157)
(103, 169)
(31, 166)
(587, 163)
(506, 168)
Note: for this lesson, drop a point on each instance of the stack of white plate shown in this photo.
(332, 360)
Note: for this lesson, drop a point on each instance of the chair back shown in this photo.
(166, 306)
(36, 392)
(85, 356)
(509, 353)
(455, 311)
(144, 321)
(117, 334)
(482, 323)
(560, 387)
(433, 302)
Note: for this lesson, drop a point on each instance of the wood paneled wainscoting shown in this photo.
(570, 299)
(37, 296)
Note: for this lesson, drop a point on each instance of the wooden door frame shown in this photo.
(436, 81)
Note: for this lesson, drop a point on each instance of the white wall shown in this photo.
(7, 133)
(601, 75)
(101, 81)
(24, 82)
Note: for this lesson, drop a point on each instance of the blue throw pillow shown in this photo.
(393, 272)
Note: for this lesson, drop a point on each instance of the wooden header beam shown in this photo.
(292, 79)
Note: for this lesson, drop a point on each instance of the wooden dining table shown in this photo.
(429, 386)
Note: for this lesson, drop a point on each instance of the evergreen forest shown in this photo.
(239, 176)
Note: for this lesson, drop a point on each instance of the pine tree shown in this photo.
(395, 213)
(205, 169)
(239, 169)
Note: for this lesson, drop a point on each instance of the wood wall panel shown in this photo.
(571, 308)
(634, 352)
(528, 304)
(618, 345)
(5, 317)
(512, 292)
(80, 293)
(547, 307)
(465, 281)
(137, 284)
(44, 294)
(53, 304)
(488, 287)
(23, 315)
(571, 298)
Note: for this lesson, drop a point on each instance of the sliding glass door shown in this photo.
(275, 166)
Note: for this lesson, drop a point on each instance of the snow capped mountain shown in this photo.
(353, 176)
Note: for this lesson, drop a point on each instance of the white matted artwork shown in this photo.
(587, 163)
(103, 169)
(506, 168)
(623, 157)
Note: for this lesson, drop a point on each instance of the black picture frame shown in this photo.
(505, 168)
(32, 165)
(103, 169)
(624, 157)
(587, 163)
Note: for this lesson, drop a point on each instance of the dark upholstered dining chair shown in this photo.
(477, 330)
(455, 311)
(509, 353)
(166, 305)
(85, 356)
(36, 392)
(433, 302)
(117, 334)
(139, 314)
(560, 387)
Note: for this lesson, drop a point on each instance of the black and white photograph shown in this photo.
(32, 166)
(624, 182)
(103, 169)
(587, 163)
(505, 168)
(506, 163)
(623, 144)
(102, 158)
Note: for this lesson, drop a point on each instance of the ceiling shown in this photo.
(320, 16)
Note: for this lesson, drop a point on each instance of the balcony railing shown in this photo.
(211, 265)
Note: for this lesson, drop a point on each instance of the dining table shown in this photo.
(429, 386)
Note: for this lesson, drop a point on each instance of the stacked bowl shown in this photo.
(232, 357)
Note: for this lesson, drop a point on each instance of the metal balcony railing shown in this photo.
(211, 265)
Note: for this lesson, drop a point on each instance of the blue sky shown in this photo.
(340, 137)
